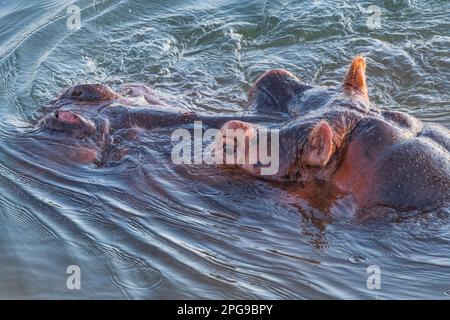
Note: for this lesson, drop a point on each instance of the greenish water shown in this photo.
(146, 229)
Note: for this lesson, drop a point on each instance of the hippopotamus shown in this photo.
(93, 122)
(333, 141)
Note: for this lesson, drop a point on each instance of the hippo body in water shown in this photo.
(332, 141)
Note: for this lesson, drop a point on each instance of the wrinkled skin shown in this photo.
(333, 141)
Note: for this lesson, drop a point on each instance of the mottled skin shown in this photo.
(333, 141)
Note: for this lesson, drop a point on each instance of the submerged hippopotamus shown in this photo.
(329, 138)
(93, 122)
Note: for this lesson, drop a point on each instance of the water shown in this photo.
(144, 228)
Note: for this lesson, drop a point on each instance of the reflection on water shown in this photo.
(144, 228)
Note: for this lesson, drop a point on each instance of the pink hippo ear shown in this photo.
(319, 147)
(355, 80)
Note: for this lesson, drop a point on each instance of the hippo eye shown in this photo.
(76, 94)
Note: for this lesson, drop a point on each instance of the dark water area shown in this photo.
(144, 228)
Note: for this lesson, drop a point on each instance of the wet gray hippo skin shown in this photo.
(333, 142)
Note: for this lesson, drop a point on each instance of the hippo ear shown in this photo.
(355, 80)
(319, 148)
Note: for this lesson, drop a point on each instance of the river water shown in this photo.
(147, 229)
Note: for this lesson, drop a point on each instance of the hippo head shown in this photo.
(87, 118)
(73, 120)
(321, 120)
